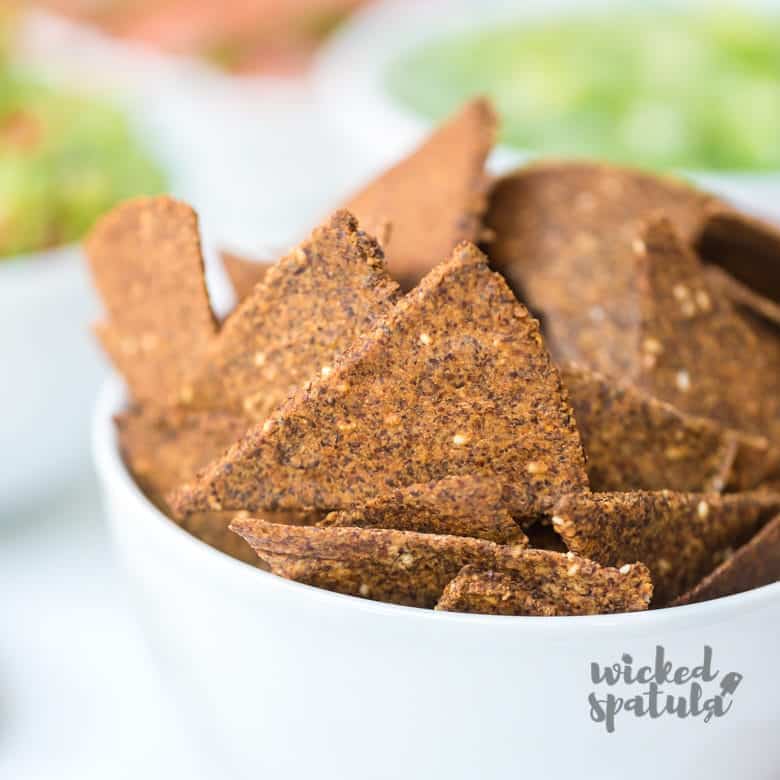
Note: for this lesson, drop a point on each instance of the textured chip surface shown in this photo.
(544, 583)
(755, 564)
(435, 197)
(308, 308)
(146, 263)
(679, 536)
(458, 506)
(455, 381)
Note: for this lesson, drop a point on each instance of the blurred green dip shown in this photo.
(697, 90)
(64, 160)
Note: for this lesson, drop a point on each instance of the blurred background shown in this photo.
(264, 114)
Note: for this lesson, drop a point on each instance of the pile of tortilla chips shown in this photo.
(384, 416)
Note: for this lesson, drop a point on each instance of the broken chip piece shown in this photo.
(402, 567)
(457, 506)
(566, 239)
(146, 263)
(435, 197)
(679, 536)
(309, 307)
(697, 352)
(636, 442)
(455, 381)
(244, 274)
(540, 582)
(755, 564)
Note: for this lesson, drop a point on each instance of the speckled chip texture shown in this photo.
(243, 274)
(454, 381)
(544, 583)
(308, 308)
(146, 263)
(636, 442)
(566, 237)
(679, 536)
(755, 564)
(697, 352)
(458, 506)
(434, 198)
(401, 567)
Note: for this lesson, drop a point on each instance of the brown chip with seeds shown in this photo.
(458, 506)
(401, 567)
(309, 307)
(679, 536)
(540, 582)
(435, 197)
(697, 352)
(455, 381)
(146, 263)
(566, 239)
(636, 442)
(755, 564)
(244, 274)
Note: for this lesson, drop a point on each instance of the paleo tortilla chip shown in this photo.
(565, 238)
(697, 352)
(401, 567)
(146, 263)
(435, 197)
(309, 307)
(244, 274)
(458, 506)
(755, 564)
(541, 582)
(454, 381)
(679, 536)
(636, 442)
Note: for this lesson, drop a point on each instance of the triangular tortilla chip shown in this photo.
(457, 506)
(747, 248)
(566, 239)
(697, 352)
(755, 564)
(679, 536)
(455, 381)
(244, 274)
(434, 198)
(309, 307)
(547, 583)
(636, 442)
(401, 567)
(146, 263)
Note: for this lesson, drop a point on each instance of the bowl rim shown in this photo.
(117, 483)
(348, 72)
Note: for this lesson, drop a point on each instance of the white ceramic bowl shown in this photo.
(284, 680)
(49, 375)
(351, 70)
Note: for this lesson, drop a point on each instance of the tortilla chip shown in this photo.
(636, 442)
(455, 381)
(697, 352)
(457, 506)
(401, 567)
(747, 248)
(435, 197)
(679, 536)
(566, 235)
(146, 263)
(541, 582)
(741, 295)
(243, 274)
(310, 306)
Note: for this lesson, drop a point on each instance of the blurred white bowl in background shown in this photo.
(279, 679)
(351, 69)
(50, 373)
